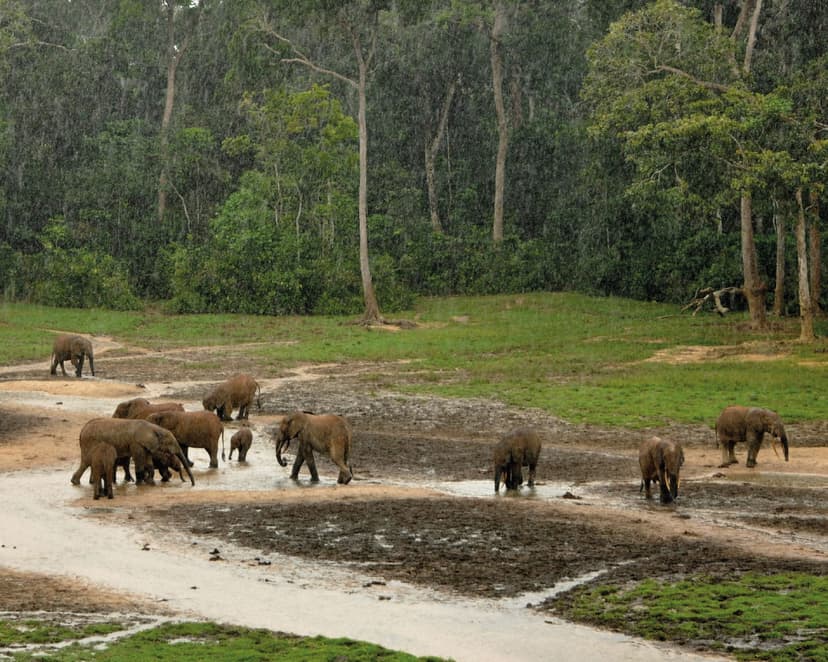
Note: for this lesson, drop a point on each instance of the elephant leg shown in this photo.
(62, 369)
(311, 460)
(532, 468)
(213, 456)
(84, 465)
(78, 366)
(186, 450)
(753, 451)
(664, 488)
(648, 492)
(728, 454)
(242, 415)
(297, 464)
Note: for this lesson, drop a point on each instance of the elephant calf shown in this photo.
(660, 460)
(241, 441)
(72, 348)
(518, 448)
(102, 458)
(749, 424)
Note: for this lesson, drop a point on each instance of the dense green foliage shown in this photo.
(756, 617)
(621, 175)
(196, 641)
(607, 361)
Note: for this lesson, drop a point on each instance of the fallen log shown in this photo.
(708, 294)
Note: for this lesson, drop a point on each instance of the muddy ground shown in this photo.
(422, 507)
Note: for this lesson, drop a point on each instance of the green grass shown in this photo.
(581, 358)
(182, 642)
(33, 631)
(756, 617)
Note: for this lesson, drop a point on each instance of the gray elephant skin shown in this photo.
(748, 424)
(241, 442)
(328, 434)
(237, 392)
(102, 458)
(660, 461)
(141, 408)
(72, 348)
(138, 439)
(197, 429)
(518, 448)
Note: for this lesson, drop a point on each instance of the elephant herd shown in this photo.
(158, 437)
(661, 459)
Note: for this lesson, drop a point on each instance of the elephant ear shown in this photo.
(296, 423)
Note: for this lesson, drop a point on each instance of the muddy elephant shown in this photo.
(74, 349)
(141, 408)
(749, 424)
(136, 439)
(518, 448)
(660, 460)
(237, 392)
(324, 433)
(161, 462)
(199, 429)
(102, 458)
(241, 441)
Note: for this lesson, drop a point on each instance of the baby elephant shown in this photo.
(519, 448)
(241, 441)
(103, 458)
(660, 460)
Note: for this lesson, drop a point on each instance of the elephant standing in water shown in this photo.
(518, 448)
(660, 460)
(200, 429)
(324, 433)
(241, 441)
(239, 391)
(749, 424)
(102, 458)
(74, 349)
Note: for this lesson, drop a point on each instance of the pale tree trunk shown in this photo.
(502, 122)
(754, 288)
(806, 311)
(173, 58)
(371, 313)
(431, 150)
(779, 291)
(815, 252)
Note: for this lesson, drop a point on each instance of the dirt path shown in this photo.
(417, 553)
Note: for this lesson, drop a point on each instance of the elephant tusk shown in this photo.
(773, 446)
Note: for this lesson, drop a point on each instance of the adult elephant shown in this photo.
(199, 429)
(237, 392)
(660, 460)
(138, 439)
(749, 424)
(141, 408)
(518, 448)
(324, 433)
(72, 348)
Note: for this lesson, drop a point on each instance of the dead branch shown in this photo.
(708, 294)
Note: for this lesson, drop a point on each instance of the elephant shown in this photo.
(141, 408)
(199, 429)
(102, 458)
(324, 433)
(518, 448)
(660, 460)
(73, 348)
(238, 391)
(241, 441)
(161, 461)
(749, 424)
(138, 439)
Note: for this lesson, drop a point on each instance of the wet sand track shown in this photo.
(421, 512)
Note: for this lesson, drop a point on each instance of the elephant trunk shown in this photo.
(186, 465)
(673, 481)
(784, 440)
(280, 445)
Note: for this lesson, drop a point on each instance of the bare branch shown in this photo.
(718, 87)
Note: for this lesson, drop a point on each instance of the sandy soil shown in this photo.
(422, 508)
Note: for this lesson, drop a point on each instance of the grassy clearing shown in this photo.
(585, 359)
(755, 617)
(181, 642)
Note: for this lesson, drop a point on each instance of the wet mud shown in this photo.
(422, 509)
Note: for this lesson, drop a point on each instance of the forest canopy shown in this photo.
(273, 157)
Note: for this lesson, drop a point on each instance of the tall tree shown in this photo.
(359, 22)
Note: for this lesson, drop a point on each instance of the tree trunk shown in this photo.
(173, 58)
(806, 312)
(502, 123)
(815, 252)
(431, 150)
(753, 287)
(779, 290)
(372, 313)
